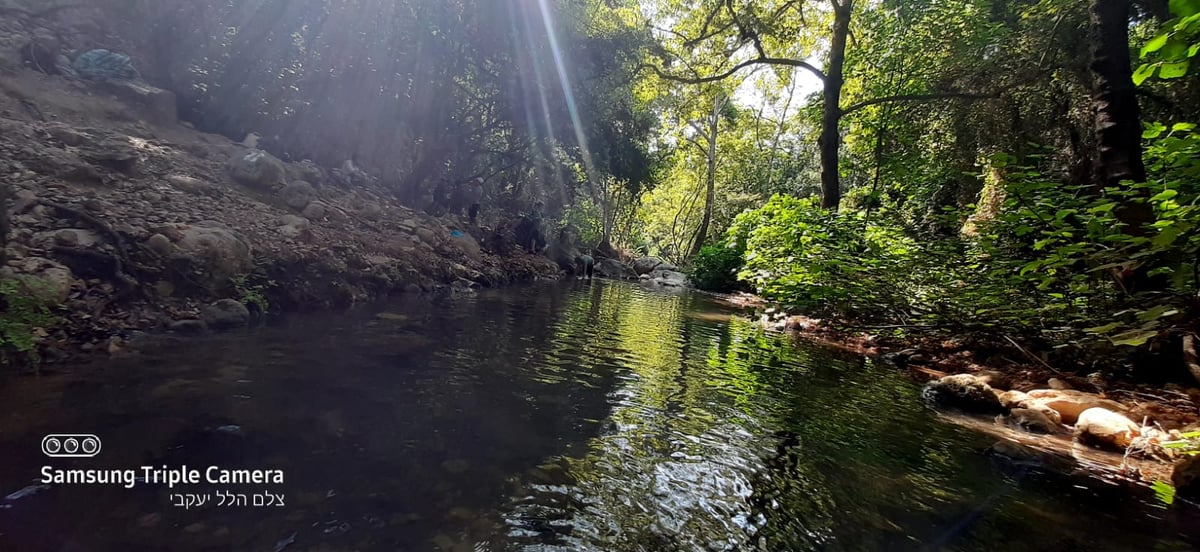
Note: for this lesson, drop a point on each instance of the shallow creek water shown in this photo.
(566, 416)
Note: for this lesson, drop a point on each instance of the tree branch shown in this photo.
(920, 98)
(721, 76)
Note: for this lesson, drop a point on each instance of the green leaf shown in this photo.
(1174, 69)
(1183, 127)
(1143, 72)
(1153, 130)
(1134, 338)
(1155, 44)
(1157, 312)
(1103, 329)
(1164, 491)
(1164, 195)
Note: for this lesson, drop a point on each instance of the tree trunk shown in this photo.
(714, 121)
(831, 115)
(1118, 122)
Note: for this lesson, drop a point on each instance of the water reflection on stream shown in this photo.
(573, 416)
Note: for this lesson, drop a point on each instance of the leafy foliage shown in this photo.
(253, 292)
(1173, 48)
(716, 268)
(24, 313)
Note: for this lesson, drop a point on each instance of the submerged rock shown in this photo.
(1035, 421)
(188, 326)
(1105, 428)
(963, 391)
(226, 313)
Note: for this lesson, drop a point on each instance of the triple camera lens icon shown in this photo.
(65, 445)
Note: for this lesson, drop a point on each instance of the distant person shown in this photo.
(475, 193)
(586, 264)
(529, 230)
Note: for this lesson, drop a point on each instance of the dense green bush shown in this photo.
(1051, 259)
(716, 268)
(825, 262)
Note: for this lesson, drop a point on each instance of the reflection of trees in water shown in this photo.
(674, 469)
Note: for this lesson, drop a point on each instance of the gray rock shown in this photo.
(669, 278)
(47, 280)
(612, 268)
(315, 211)
(963, 391)
(335, 214)
(426, 235)
(66, 237)
(190, 185)
(160, 244)
(67, 135)
(226, 313)
(646, 265)
(370, 210)
(188, 326)
(218, 252)
(257, 169)
(293, 220)
(298, 194)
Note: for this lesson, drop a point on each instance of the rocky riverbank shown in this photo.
(1112, 427)
(124, 221)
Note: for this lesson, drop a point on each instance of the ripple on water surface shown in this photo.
(574, 416)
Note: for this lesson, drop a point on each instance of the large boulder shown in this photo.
(1105, 428)
(646, 265)
(963, 391)
(612, 268)
(49, 281)
(226, 313)
(1186, 477)
(257, 169)
(1069, 403)
(218, 252)
(669, 278)
(298, 194)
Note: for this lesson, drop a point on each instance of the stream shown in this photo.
(564, 416)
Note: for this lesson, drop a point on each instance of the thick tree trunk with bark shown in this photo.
(1118, 121)
(831, 115)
